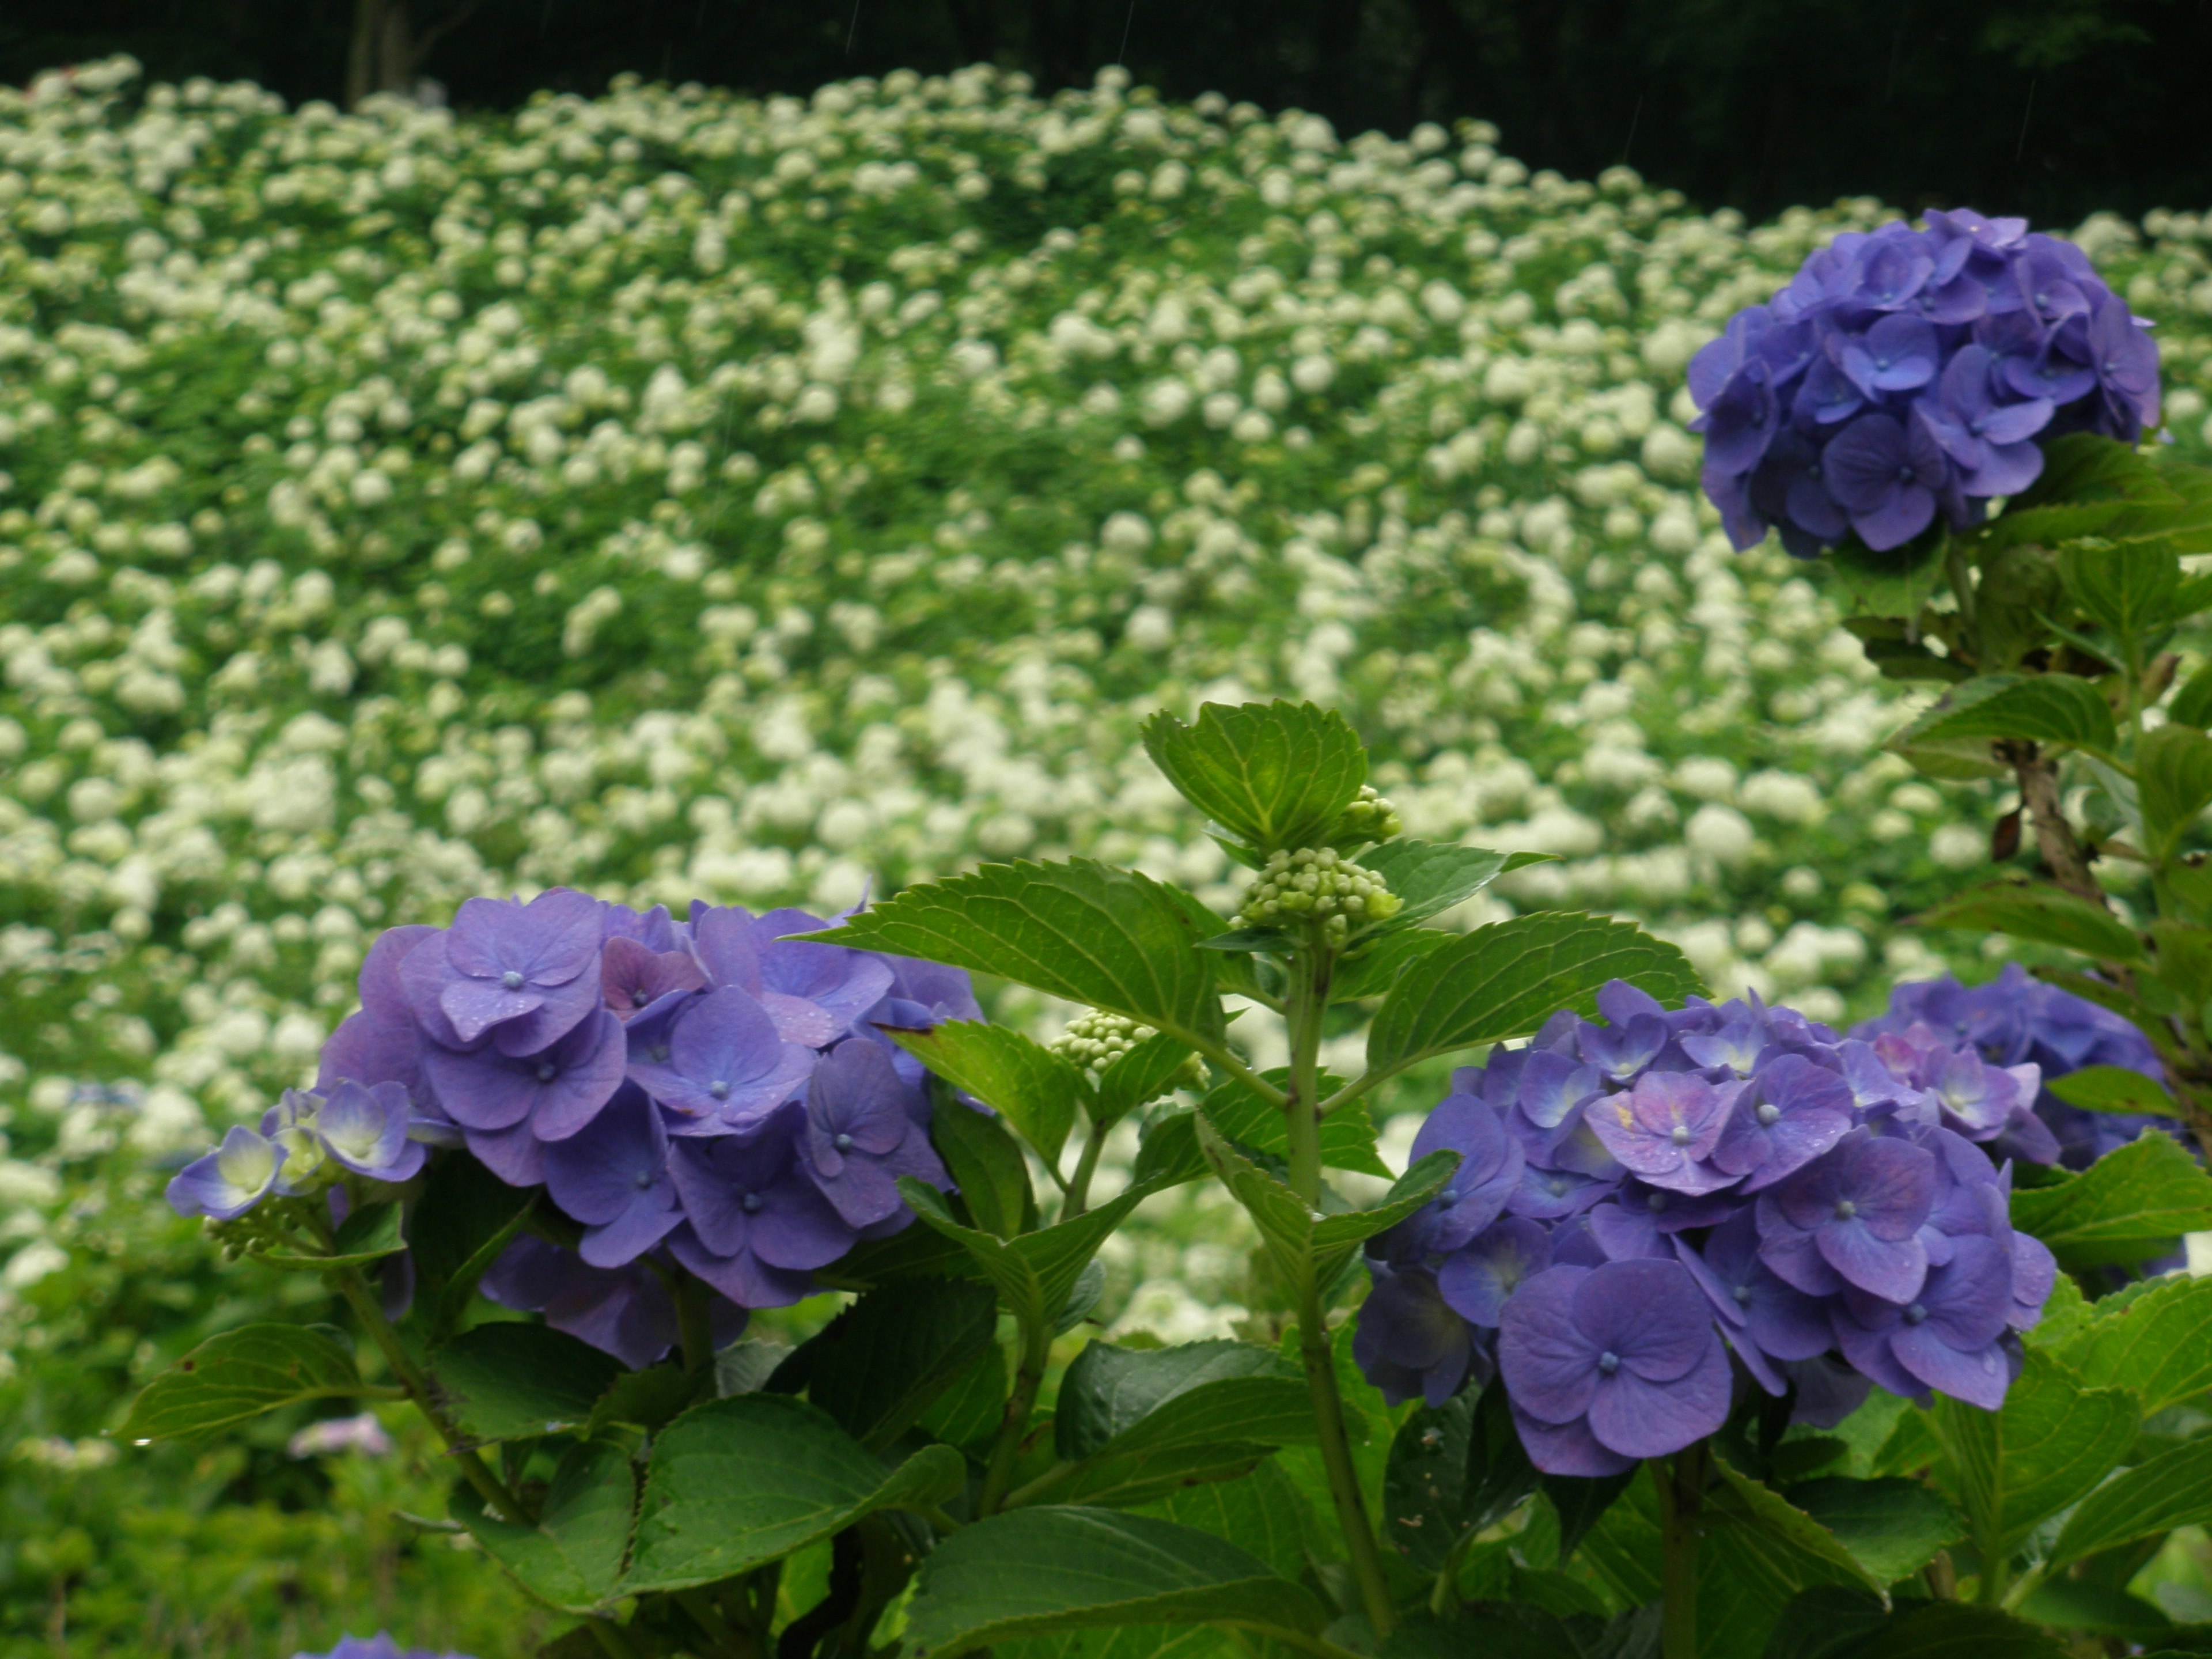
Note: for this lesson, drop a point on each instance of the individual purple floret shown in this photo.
(1608, 1365)
(1948, 1335)
(378, 1646)
(719, 1063)
(623, 1311)
(633, 975)
(1768, 1322)
(379, 1043)
(554, 1092)
(614, 1177)
(1791, 1112)
(229, 1181)
(365, 1129)
(1409, 1344)
(1906, 372)
(755, 1226)
(1490, 1165)
(861, 1135)
(1663, 1128)
(523, 973)
(1852, 1217)
(1478, 1278)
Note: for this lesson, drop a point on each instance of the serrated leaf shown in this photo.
(968, 1414)
(2077, 1604)
(2113, 1089)
(746, 1367)
(1276, 775)
(2045, 914)
(1506, 980)
(1378, 963)
(987, 1167)
(1081, 930)
(1348, 1136)
(241, 1374)
(1429, 877)
(1034, 1272)
(1452, 1468)
(1139, 1078)
(2041, 707)
(2128, 588)
(573, 1556)
(2173, 783)
(1262, 1512)
(1169, 1154)
(2174, 1489)
(2132, 1203)
(2047, 525)
(1892, 1528)
(877, 1366)
(737, 1482)
(1032, 1088)
(2053, 1441)
(511, 1381)
(1037, 1571)
(648, 1398)
(1751, 1504)
(370, 1234)
(2158, 1344)
(2192, 704)
(1837, 1623)
(1137, 1424)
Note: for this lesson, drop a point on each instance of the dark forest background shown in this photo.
(2049, 107)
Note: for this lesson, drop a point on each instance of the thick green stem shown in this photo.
(1681, 1483)
(1086, 1165)
(366, 1308)
(998, 1473)
(1302, 1102)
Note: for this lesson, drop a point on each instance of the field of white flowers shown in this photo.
(674, 493)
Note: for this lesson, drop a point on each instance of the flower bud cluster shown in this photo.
(1315, 886)
(1095, 1040)
(1370, 818)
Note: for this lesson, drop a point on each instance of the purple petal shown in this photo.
(1548, 1364)
(1650, 1314)
(1567, 1447)
(1980, 1376)
(1640, 1418)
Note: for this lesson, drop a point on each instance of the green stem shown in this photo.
(1320, 1646)
(1013, 1425)
(694, 1321)
(1086, 1165)
(1309, 997)
(1044, 1487)
(1680, 1481)
(1221, 1056)
(489, 1486)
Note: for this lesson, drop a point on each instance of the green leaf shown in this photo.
(1139, 1078)
(968, 1413)
(1081, 930)
(877, 1366)
(573, 1556)
(2047, 525)
(1429, 878)
(1036, 1272)
(511, 1381)
(1137, 1424)
(1033, 1089)
(2158, 1345)
(2130, 1205)
(463, 1222)
(1169, 1154)
(1348, 1135)
(2046, 914)
(1892, 1528)
(746, 1367)
(2173, 782)
(2174, 1489)
(986, 1165)
(737, 1482)
(2086, 466)
(1779, 1524)
(2192, 704)
(370, 1234)
(2129, 588)
(2043, 707)
(241, 1374)
(1452, 1468)
(1835, 1623)
(1262, 1512)
(651, 1398)
(1894, 582)
(1506, 980)
(2111, 1089)
(1494, 1630)
(2054, 1440)
(1037, 1571)
(2077, 1604)
(1276, 775)
(1375, 968)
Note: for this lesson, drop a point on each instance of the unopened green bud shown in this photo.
(1316, 887)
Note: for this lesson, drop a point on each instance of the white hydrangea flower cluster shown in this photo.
(675, 493)
(1318, 888)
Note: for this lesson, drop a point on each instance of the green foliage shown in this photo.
(2042, 709)
(1429, 878)
(737, 1482)
(517, 1382)
(573, 1556)
(2043, 914)
(1032, 1088)
(1844, 1624)
(1506, 980)
(2054, 1440)
(877, 1366)
(2174, 1489)
(1348, 1135)
(1272, 776)
(1134, 1426)
(241, 1374)
(1059, 1569)
(2111, 1089)
(2128, 1206)
(2157, 1343)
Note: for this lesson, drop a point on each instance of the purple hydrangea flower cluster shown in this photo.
(1903, 371)
(710, 1092)
(378, 1646)
(2016, 1019)
(1638, 1199)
